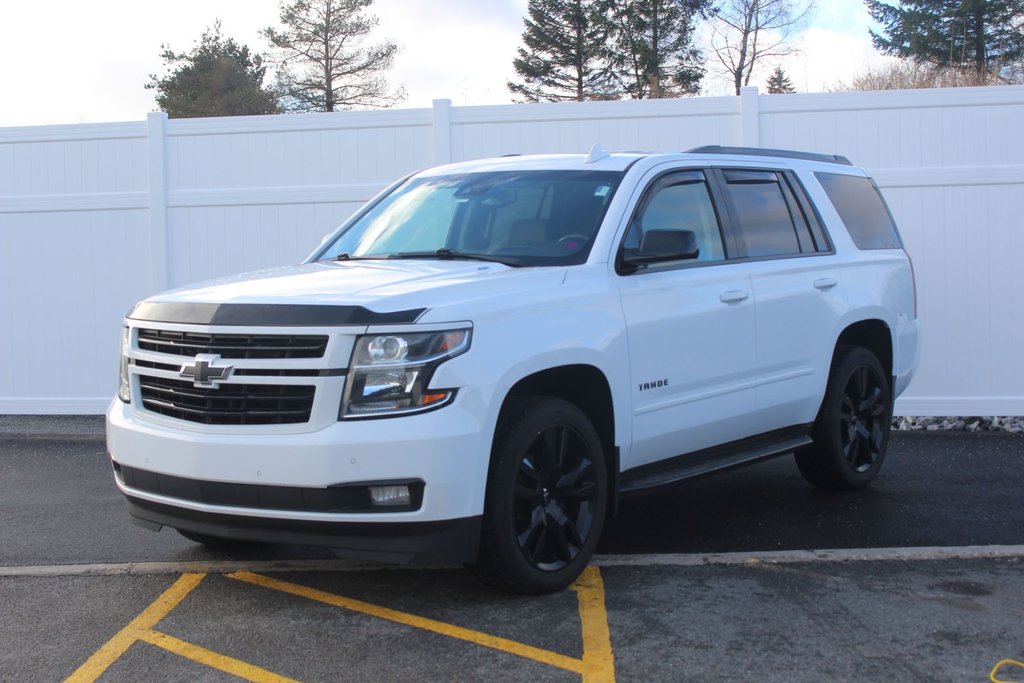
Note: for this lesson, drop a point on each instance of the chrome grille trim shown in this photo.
(232, 345)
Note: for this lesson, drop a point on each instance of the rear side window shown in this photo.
(764, 213)
(862, 209)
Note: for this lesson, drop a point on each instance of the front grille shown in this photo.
(230, 404)
(246, 372)
(254, 346)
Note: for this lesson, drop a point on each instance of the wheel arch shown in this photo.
(874, 335)
(586, 387)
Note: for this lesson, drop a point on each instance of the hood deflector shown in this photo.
(267, 315)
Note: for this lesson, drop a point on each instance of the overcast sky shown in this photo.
(71, 61)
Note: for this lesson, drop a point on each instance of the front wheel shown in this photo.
(851, 433)
(547, 492)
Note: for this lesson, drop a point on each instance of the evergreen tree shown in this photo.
(779, 84)
(218, 77)
(322, 62)
(983, 35)
(564, 54)
(655, 56)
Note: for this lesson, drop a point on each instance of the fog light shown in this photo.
(390, 496)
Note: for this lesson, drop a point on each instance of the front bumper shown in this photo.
(445, 449)
(444, 542)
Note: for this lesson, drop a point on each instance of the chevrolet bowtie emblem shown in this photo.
(204, 371)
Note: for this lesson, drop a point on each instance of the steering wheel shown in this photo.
(573, 236)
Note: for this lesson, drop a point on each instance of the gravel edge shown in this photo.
(93, 425)
(972, 423)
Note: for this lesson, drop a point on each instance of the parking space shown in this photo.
(747, 576)
(232, 624)
(49, 626)
(894, 620)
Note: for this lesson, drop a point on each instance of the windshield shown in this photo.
(529, 218)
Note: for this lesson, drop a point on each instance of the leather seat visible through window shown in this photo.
(528, 232)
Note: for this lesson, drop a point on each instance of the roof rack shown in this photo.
(764, 152)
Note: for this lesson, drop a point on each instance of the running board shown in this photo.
(716, 459)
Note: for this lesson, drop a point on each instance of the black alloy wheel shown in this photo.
(851, 432)
(863, 417)
(555, 494)
(546, 497)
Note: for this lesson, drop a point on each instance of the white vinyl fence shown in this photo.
(94, 217)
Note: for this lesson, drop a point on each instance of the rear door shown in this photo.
(797, 286)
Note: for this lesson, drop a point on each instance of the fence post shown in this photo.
(750, 117)
(159, 278)
(442, 127)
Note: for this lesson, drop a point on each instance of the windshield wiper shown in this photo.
(345, 256)
(445, 254)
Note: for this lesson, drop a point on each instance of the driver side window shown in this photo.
(680, 202)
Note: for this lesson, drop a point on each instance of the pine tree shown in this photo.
(983, 35)
(564, 54)
(218, 77)
(655, 56)
(323, 64)
(779, 84)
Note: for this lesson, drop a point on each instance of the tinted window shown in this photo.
(765, 223)
(810, 214)
(862, 209)
(534, 218)
(681, 202)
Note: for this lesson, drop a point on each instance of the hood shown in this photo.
(381, 286)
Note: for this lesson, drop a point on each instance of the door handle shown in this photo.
(733, 296)
(825, 283)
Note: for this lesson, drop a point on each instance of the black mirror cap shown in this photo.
(659, 246)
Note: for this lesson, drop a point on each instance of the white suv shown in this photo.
(477, 364)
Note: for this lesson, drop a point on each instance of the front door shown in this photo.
(691, 329)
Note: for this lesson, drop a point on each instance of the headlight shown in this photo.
(124, 387)
(390, 373)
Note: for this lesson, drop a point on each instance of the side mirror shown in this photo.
(659, 246)
(323, 240)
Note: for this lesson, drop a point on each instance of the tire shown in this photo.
(851, 432)
(547, 493)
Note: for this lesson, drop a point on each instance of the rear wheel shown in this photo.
(851, 433)
(546, 497)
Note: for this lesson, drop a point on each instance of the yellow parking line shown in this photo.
(598, 660)
(214, 660)
(596, 665)
(439, 627)
(1000, 665)
(101, 660)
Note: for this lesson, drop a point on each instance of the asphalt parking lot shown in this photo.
(751, 575)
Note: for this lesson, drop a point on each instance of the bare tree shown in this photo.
(746, 33)
(908, 74)
(322, 62)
